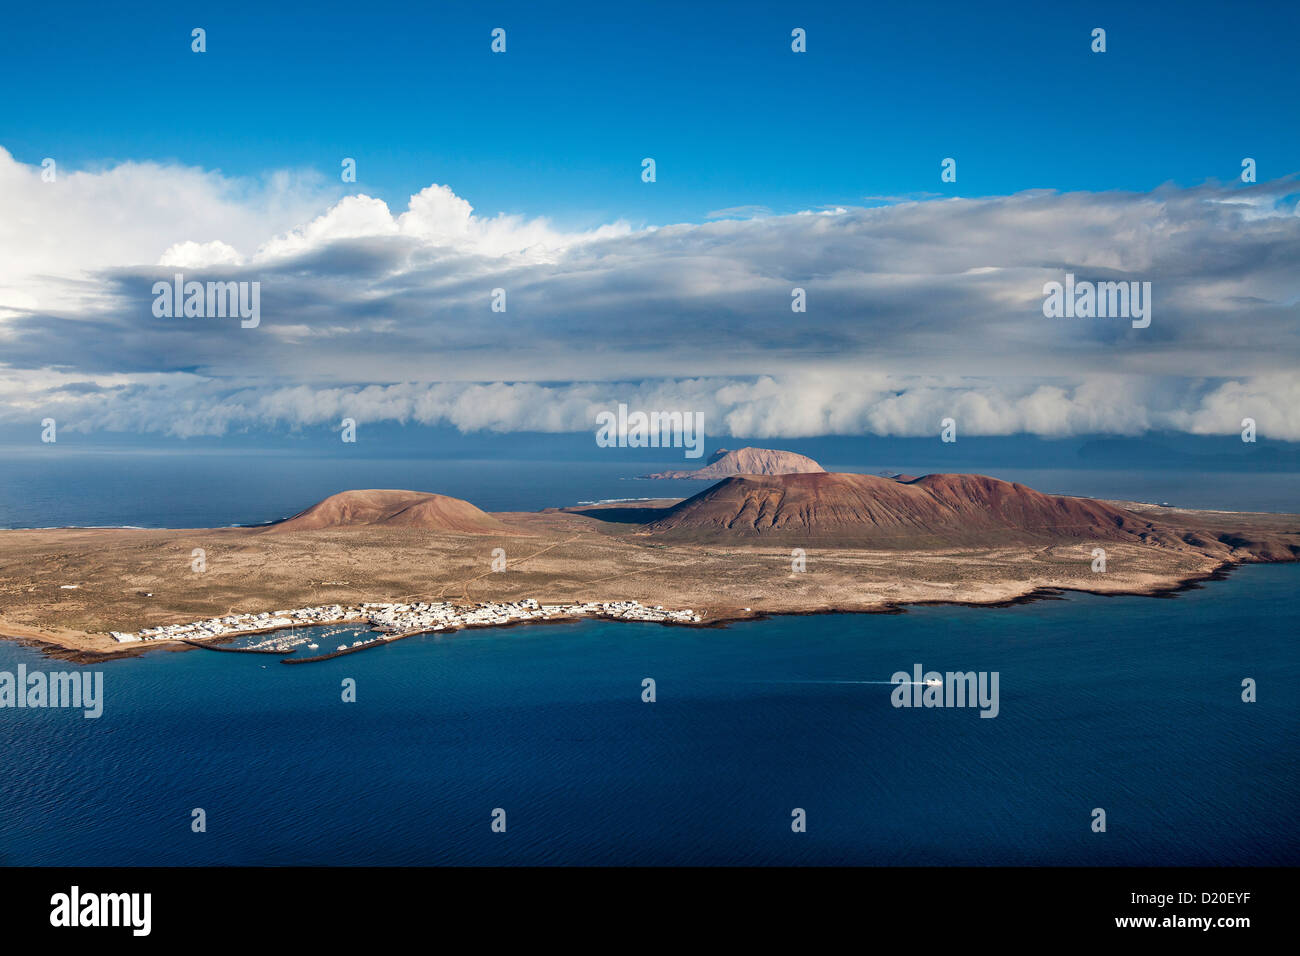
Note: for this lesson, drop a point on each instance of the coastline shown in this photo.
(54, 649)
(63, 591)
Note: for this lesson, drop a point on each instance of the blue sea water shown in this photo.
(50, 486)
(160, 490)
(1129, 704)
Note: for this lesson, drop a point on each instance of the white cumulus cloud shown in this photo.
(916, 310)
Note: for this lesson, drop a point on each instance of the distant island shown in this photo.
(746, 461)
(406, 562)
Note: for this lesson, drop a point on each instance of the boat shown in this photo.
(312, 647)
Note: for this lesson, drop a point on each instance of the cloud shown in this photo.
(791, 406)
(739, 212)
(191, 254)
(916, 311)
(53, 234)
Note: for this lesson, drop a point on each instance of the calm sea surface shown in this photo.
(1128, 704)
(50, 486)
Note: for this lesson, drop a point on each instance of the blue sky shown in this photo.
(559, 124)
(776, 172)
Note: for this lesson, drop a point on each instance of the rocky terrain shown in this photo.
(394, 509)
(746, 546)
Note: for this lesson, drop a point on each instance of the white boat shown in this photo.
(312, 647)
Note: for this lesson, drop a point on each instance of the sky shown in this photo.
(774, 171)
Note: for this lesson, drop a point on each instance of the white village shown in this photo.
(390, 621)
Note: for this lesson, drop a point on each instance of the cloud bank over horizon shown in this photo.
(916, 311)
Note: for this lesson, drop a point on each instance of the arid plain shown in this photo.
(64, 589)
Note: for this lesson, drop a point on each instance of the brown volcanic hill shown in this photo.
(748, 461)
(394, 509)
(872, 511)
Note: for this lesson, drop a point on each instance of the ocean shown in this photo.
(1131, 705)
(50, 486)
(1127, 704)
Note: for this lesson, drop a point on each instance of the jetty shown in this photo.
(207, 646)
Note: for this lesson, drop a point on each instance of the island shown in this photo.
(399, 562)
(746, 461)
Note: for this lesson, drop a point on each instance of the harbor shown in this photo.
(382, 623)
(238, 625)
